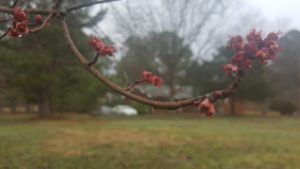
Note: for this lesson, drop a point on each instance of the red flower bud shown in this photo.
(235, 43)
(251, 47)
(271, 39)
(19, 15)
(150, 78)
(230, 70)
(207, 107)
(273, 36)
(156, 81)
(38, 19)
(100, 47)
(146, 75)
(241, 60)
(264, 55)
(14, 33)
(217, 94)
(22, 27)
(254, 36)
(107, 50)
(274, 49)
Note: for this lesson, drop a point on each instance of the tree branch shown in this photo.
(4, 34)
(15, 3)
(131, 86)
(94, 61)
(118, 89)
(88, 4)
(4, 20)
(57, 4)
(44, 24)
(31, 11)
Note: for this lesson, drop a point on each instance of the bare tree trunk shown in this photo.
(172, 82)
(13, 105)
(44, 104)
(232, 106)
(172, 91)
(27, 107)
(265, 108)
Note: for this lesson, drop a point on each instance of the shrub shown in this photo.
(283, 106)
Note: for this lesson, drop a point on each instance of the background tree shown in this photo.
(285, 71)
(161, 53)
(202, 24)
(198, 25)
(42, 71)
(209, 76)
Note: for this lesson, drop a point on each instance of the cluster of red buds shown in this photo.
(254, 48)
(206, 105)
(246, 51)
(101, 48)
(150, 78)
(20, 23)
(104, 50)
(231, 70)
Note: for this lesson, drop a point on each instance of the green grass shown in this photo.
(150, 143)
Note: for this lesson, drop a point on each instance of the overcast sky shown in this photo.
(280, 15)
(285, 12)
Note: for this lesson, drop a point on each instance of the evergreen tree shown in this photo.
(41, 69)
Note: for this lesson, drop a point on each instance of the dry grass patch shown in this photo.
(74, 142)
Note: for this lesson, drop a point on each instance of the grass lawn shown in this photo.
(150, 143)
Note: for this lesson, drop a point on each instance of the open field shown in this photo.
(150, 143)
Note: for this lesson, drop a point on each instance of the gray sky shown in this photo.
(279, 15)
(283, 12)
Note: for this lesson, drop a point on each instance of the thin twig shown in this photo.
(93, 61)
(4, 34)
(57, 4)
(231, 89)
(4, 20)
(30, 11)
(7, 31)
(46, 21)
(44, 24)
(7, 20)
(88, 4)
(131, 86)
(15, 3)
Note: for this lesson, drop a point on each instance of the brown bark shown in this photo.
(13, 106)
(265, 108)
(44, 104)
(232, 106)
(27, 107)
(172, 82)
(172, 91)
